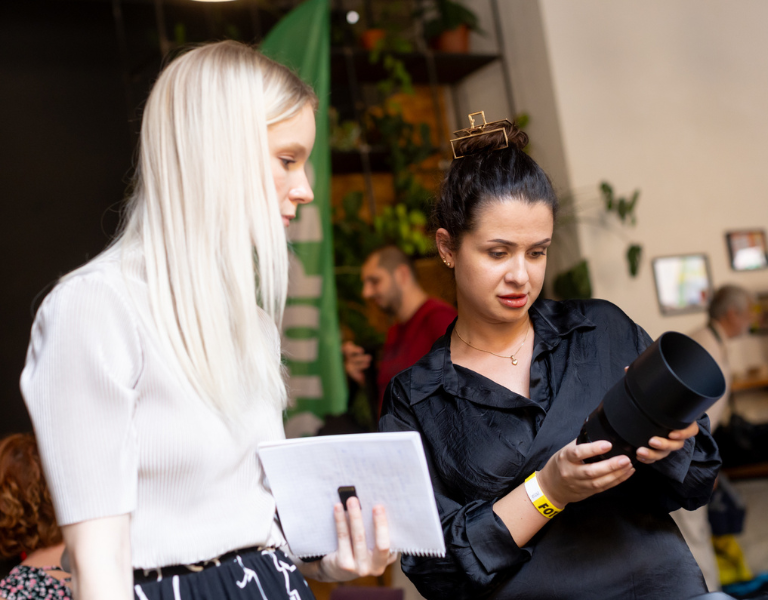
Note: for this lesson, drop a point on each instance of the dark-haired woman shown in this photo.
(500, 399)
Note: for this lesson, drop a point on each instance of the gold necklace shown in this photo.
(512, 356)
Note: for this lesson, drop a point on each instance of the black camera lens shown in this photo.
(667, 387)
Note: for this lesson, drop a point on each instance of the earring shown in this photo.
(446, 263)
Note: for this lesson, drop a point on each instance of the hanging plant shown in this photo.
(406, 228)
(407, 144)
(624, 209)
(575, 282)
(398, 78)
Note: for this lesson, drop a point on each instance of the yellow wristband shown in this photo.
(539, 500)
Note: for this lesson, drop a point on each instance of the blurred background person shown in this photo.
(730, 314)
(390, 280)
(28, 529)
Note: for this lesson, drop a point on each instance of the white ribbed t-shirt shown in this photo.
(121, 430)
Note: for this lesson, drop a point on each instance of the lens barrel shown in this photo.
(670, 385)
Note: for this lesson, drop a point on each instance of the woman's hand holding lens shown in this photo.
(661, 447)
(566, 478)
(353, 558)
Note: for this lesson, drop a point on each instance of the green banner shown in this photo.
(311, 337)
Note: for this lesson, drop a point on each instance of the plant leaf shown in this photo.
(634, 254)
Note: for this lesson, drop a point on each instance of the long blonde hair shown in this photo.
(205, 212)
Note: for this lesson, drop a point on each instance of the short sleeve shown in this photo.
(79, 384)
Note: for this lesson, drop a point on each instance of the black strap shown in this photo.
(156, 574)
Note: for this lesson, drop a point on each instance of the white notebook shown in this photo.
(305, 475)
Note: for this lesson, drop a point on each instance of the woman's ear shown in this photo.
(443, 243)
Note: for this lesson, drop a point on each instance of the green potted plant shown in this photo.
(448, 28)
(371, 38)
(383, 20)
(576, 281)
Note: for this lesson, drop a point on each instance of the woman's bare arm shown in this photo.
(564, 479)
(100, 558)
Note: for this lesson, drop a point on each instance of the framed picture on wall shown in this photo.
(683, 283)
(748, 249)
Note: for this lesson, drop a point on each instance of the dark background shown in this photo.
(65, 156)
(73, 77)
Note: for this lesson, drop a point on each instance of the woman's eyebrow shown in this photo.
(508, 243)
(297, 149)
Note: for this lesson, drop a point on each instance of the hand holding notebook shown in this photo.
(309, 475)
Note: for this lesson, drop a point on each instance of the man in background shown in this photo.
(389, 279)
(730, 314)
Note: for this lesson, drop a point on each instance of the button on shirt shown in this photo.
(482, 440)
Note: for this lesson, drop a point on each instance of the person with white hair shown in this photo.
(154, 370)
(730, 314)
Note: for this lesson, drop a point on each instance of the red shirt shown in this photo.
(407, 342)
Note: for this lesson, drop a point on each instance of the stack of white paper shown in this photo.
(385, 468)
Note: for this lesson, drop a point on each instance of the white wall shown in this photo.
(669, 96)
(526, 53)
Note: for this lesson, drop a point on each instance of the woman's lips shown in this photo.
(514, 300)
(287, 219)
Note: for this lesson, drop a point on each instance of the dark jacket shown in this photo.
(482, 440)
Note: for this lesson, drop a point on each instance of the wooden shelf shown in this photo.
(450, 68)
(753, 383)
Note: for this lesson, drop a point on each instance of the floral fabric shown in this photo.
(33, 583)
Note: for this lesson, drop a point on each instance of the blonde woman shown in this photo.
(154, 370)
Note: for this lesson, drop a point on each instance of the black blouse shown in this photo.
(482, 440)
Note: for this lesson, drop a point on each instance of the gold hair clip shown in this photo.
(484, 129)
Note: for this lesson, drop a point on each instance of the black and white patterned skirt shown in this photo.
(244, 575)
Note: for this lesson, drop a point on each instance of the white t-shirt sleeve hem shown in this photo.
(79, 383)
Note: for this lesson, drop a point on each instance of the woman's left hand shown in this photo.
(661, 447)
(353, 558)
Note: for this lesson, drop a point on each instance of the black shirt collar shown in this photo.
(551, 321)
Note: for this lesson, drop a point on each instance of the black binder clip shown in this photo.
(345, 493)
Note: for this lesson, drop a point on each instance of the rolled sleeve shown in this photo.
(491, 541)
(675, 466)
(687, 477)
(79, 384)
(480, 551)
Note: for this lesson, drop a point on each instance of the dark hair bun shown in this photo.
(491, 138)
(488, 174)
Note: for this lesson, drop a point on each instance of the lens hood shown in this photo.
(670, 385)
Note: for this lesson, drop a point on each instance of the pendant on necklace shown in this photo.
(514, 360)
